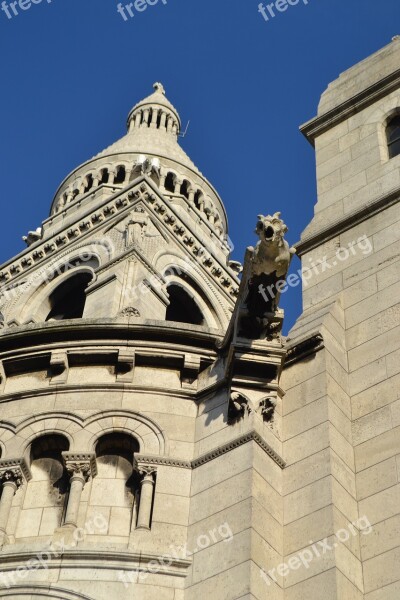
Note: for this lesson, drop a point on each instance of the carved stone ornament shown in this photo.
(146, 470)
(13, 475)
(129, 312)
(15, 471)
(80, 464)
(267, 408)
(238, 407)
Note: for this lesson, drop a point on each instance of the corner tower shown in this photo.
(340, 423)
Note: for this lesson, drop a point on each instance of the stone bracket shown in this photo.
(59, 368)
(190, 370)
(126, 365)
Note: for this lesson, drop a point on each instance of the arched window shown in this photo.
(68, 300)
(89, 182)
(182, 308)
(114, 492)
(120, 175)
(170, 182)
(44, 501)
(393, 136)
(185, 189)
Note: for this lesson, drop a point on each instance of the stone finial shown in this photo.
(158, 87)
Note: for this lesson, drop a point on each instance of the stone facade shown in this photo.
(159, 437)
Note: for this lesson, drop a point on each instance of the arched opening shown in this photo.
(170, 182)
(393, 136)
(89, 183)
(69, 298)
(198, 200)
(120, 175)
(45, 497)
(182, 308)
(115, 490)
(185, 189)
(104, 176)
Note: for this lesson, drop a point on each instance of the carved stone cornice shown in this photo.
(251, 436)
(350, 220)
(15, 471)
(119, 204)
(304, 347)
(154, 461)
(80, 463)
(353, 105)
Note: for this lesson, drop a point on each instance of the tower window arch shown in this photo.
(115, 490)
(393, 136)
(44, 502)
(182, 307)
(120, 175)
(68, 300)
(170, 182)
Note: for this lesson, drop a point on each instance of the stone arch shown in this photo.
(41, 592)
(60, 423)
(173, 266)
(36, 305)
(152, 440)
(377, 120)
(7, 433)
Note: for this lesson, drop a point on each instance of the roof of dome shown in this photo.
(151, 140)
(158, 98)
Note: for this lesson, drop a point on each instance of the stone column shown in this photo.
(146, 496)
(80, 468)
(12, 475)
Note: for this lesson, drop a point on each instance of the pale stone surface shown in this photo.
(189, 459)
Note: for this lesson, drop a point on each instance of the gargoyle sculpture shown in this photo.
(269, 265)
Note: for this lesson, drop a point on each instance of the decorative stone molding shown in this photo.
(303, 348)
(154, 461)
(83, 464)
(350, 220)
(236, 443)
(129, 312)
(15, 470)
(119, 205)
(238, 407)
(353, 105)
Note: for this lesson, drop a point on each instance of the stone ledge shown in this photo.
(375, 92)
(348, 222)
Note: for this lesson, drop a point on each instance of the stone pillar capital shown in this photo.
(80, 465)
(145, 469)
(14, 472)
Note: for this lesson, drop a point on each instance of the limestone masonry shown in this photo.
(159, 438)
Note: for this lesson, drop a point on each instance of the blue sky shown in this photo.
(72, 70)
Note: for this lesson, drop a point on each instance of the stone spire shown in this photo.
(150, 147)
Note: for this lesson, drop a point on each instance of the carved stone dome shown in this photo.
(150, 147)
